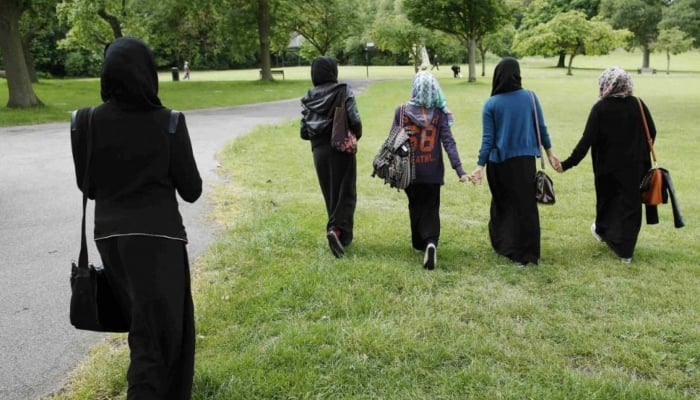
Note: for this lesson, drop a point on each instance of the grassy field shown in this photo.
(279, 318)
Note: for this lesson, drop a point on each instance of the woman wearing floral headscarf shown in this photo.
(615, 134)
(426, 116)
(508, 151)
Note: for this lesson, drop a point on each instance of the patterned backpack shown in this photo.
(395, 162)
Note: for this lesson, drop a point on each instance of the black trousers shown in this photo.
(337, 176)
(514, 223)
(424, 213)
(151, 278)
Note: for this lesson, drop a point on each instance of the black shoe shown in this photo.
(430, 258)
(335, 245)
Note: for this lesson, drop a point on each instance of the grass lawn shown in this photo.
(279, 318)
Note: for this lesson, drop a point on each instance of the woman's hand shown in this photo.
(477, 176)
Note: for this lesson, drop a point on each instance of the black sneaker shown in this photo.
(430, 258)
(335, 245)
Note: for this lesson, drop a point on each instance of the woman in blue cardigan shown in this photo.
(508, 153)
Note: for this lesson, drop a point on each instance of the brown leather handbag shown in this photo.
(652, 185)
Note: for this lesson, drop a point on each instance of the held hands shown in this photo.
(554, 161)
(477, 175)
(464, 178)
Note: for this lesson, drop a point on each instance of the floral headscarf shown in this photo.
(426, 92)
(615, 82)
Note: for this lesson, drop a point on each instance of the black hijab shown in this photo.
(324, 70)
(129, 76)
(506, 76)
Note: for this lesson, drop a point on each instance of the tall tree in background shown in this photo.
(684, 15)
(641, 17)
(263, 17)
(569, 33)
(19, 84)
(323, 23)
(672, 41)
(542, 11)
(467, 20)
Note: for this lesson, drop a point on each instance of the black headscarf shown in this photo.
(506, 76)
(324, 70)
(129, 76)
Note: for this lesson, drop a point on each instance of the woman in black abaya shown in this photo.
(615, 134)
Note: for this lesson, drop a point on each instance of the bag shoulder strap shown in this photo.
(537, 127)
(174, 118)
(646, 131)
(83, 257)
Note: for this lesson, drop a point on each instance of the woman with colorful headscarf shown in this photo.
(425, 115)
(336, 171)
(509, 148)
(140, 158)
(620, 154)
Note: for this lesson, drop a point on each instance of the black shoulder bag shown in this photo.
(544, 187)
(93, 306)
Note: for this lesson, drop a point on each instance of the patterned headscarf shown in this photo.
(615, 82)
(426, 91)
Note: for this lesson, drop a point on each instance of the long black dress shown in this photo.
(615, 134)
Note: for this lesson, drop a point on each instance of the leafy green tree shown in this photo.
(641, 17)
(324, 24)
(19, 84)
(569, 33)
(499, 43)
(542, 11)
(467, 20)
(672, 41)
(684, 15)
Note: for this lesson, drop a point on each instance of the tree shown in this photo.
(263, 17)
(323, 23)
(641, 17)
(542, 11)
(467, 20)
(569, 33)
(499, 43)
(672, 41)
(19, 84)
(684, 15)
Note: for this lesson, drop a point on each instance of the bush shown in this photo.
(83, 63)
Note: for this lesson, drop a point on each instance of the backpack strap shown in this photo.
(174, 118)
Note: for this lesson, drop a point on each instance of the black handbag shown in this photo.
(342, 138)
(93, 306)
(544, 186)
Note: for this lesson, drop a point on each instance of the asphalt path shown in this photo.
(40, 234)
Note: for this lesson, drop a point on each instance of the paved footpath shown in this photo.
(40, 234)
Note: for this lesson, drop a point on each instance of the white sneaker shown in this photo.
(430, 258)
(595, 234)
(626, 260)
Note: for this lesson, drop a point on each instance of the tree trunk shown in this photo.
(645, 56)
(472, 60)
(112, 20)
(571, 62)
(21, 92)
(668, 62)
(28, 58)
(264, 37)
(483, 62)
(562, 60)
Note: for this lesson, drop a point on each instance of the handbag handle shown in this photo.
(83, 257)
(537, 126)
(646, 130)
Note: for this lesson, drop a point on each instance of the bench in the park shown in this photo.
(274, 72)
(646, 70)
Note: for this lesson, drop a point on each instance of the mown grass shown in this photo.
(279, 318)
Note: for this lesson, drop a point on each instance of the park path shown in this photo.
(40, 234)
